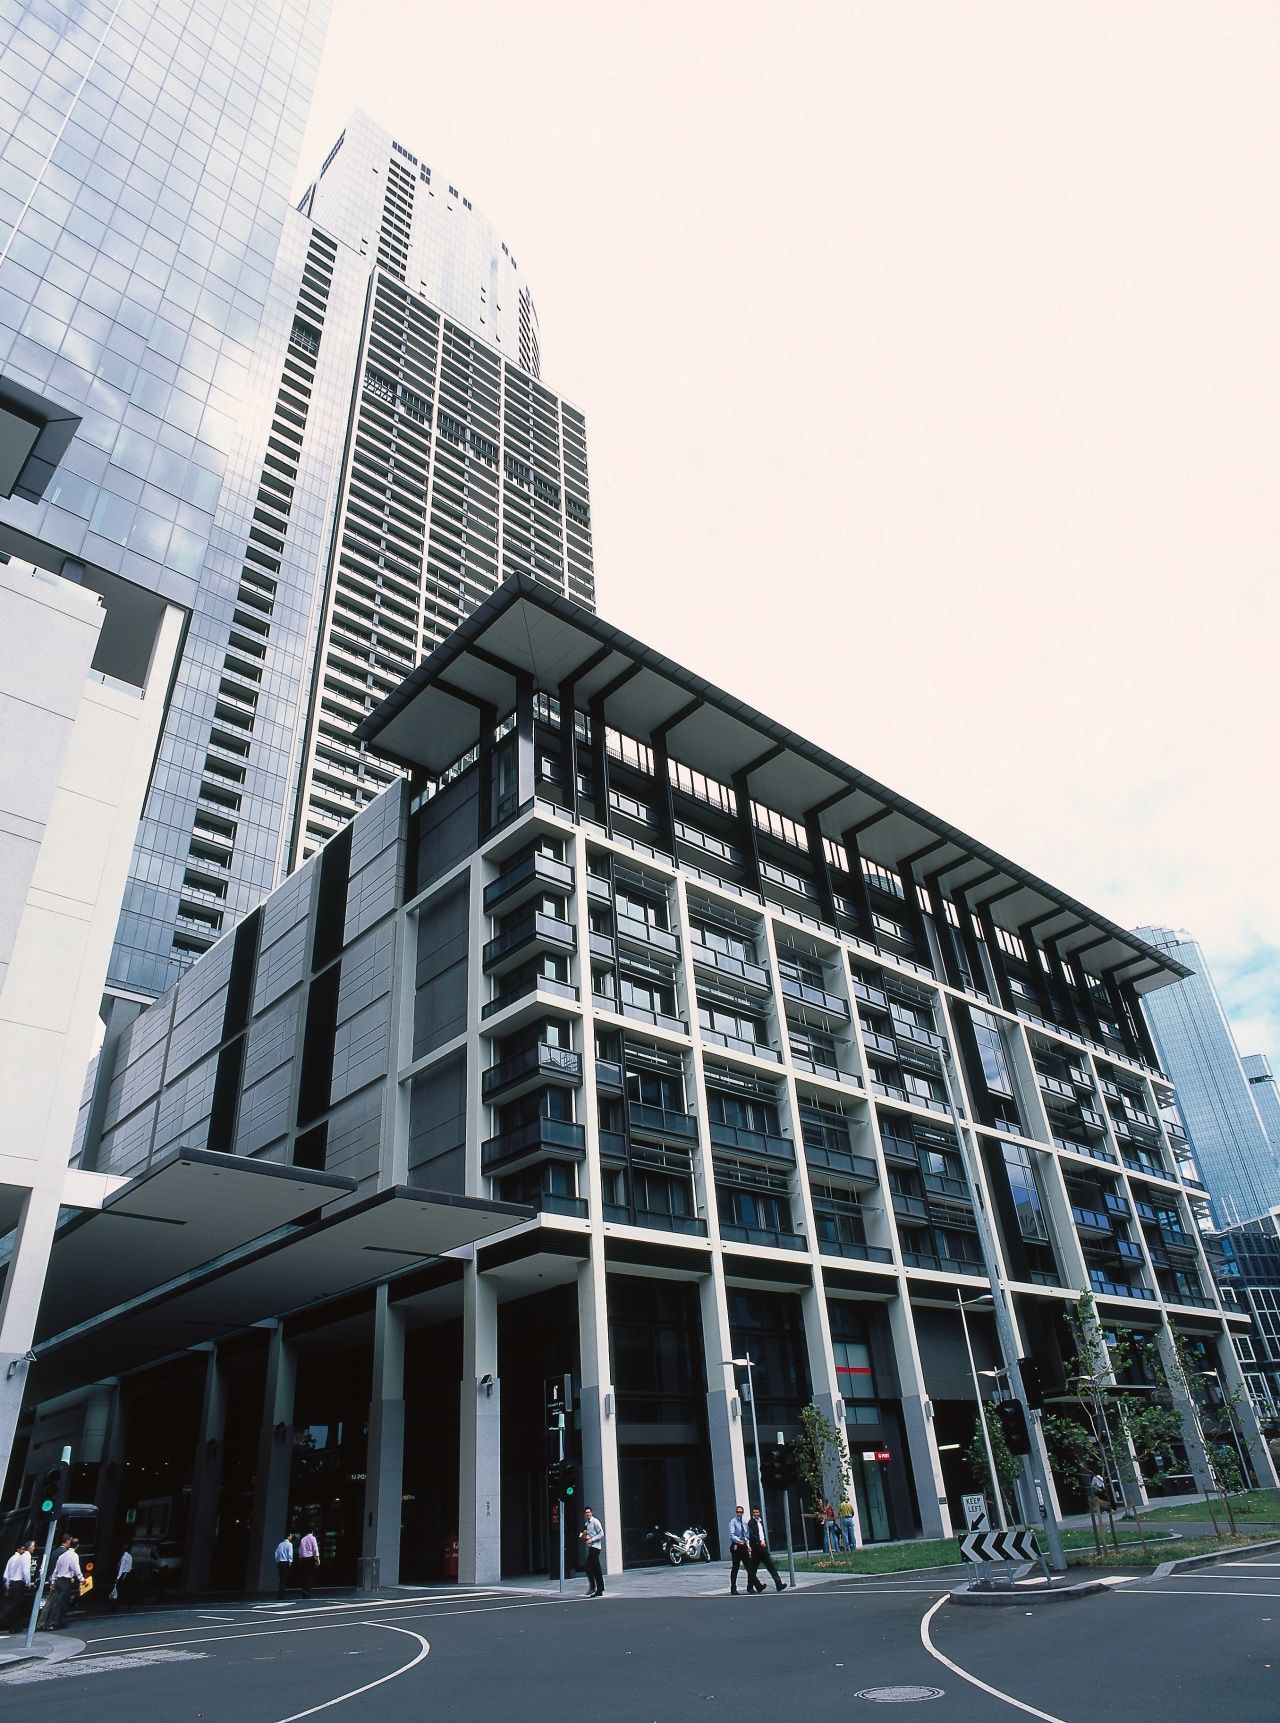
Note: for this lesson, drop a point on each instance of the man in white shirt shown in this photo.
(67, 1580)
(122, 1591)
(593, 1537)
(17, 1582)
(308, 1558)
(284, 1566)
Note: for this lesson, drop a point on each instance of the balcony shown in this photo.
(657, 1121)
(940, 1185)
(856, 1252)
(899, 1151)
(1115, 1204)
(1054, 1086)
(645, 934)
(641, 1014)
(875, 1042)
(752, 975)
(1091, 1119)
(527, 1141)
(1130, 1251)
(527, 878)
(531, 988)
(551, 1204)
(858, 1169)
(1089, 1220)
(870, 995)
(949, 1264)
(1080, 1077)
(613, 1146)
(910, 1208)
(532, 934)
(1075, 1148)
(526, 1070)
(620, 1215)
(599, 889)
(915, 1057)
(752, 1142)
(601, 945)
(826, 1004)
(760, 1235)
(609, 1075)
(735, 1044)
(914, 1034)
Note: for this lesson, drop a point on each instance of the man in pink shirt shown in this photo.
(308, 1557)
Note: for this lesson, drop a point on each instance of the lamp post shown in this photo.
(977, 1390)
(745, 1363)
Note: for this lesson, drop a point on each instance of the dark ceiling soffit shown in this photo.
(587, 622)
(56, 427)
(669, 724)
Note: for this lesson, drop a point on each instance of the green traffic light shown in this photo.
(46, 1507)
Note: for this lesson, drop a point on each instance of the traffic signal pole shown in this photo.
(786, 1514)
(56, 1504)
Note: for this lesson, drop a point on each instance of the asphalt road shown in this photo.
(1177, 1651)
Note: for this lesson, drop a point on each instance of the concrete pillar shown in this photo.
(206, 1477)
(917, 1416)
(112, 1537)
(725, 1411)
(275, 1463)
(117, 1016)
(1186, 1409)
(384, 1466)
(599, 1409)
(480, 1436)
(20, 1304)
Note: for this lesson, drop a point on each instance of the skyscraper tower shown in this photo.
(397, 456)
(1238, 1162)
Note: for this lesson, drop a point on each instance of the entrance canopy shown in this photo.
(208, 1244)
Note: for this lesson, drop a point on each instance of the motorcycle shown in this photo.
(690, 1545)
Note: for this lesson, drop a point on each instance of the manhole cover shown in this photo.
(899, 1695)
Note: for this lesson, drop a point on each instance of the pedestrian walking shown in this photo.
(284, 1566)
(17, 1584)
(739, 1550)
(67, 1580)
(592, 1534)
(308, 1560)
(760, 1557)
(830, 1531)
(847, 1525)
(122, 1590)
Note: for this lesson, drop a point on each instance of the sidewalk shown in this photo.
(52, 1647)
(697, 1579)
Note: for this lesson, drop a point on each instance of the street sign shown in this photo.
(876, 1454)
(976, 1513)
(1017, 1544)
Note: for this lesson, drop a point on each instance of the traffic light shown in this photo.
(1011, 1416)
(790, 1470)
(1032, 1383)
(551, 1447)
(555, 1471)
(773, 1468)
(568, 1481)
(50, 1492)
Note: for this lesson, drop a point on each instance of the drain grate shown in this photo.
(898, 1695)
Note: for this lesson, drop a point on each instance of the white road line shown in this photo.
(263, 1623)
(1185, 1591)
(931, 1648)
(369, 1685)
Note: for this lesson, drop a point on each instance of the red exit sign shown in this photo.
(876, 1454)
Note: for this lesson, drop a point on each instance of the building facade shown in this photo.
(1238, 1161)
(1262, 1082)
(627, 1035)
(396, 457)
(1247, 1263)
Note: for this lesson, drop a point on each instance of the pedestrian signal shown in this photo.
(773, 1468)
(568, 1482)
(1011, 1416)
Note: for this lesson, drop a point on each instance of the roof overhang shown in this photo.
(437, 713)
(35, 433)
(154, 1291)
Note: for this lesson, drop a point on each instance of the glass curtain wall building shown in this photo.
(397, 456)
(747, 1056)
(1238, 1161)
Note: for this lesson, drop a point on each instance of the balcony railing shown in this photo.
(949, 1264)
(827, 1003)
(642, 1014)
(661, 1122)
(533, 932)
(533, 984)
(735, 1044)
(872, 995)
(910, 1208)
(752, 974)
(620, 1215)
(646, 934)
(609, 1075)
(530, 874)
(856, 1252)
(1089, 1220)
(878, 1043)
(898, 1150)
(752, 1142)
(760, 1235)
(528, 1138)
(818, 1068)
(556, 1064)
(860, 1168)
(549, 1203)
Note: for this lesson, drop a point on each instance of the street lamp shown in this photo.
(974, 1304)
(745, 1364)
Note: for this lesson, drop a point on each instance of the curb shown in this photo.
(1042, 1594)
(1166, 1568)
(46, 1650)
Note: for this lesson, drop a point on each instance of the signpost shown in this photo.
(557, 1398)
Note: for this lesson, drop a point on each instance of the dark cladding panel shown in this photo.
(440, 1002)
(438, 1126)
(445, 830)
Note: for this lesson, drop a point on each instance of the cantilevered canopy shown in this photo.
(436, 715)
(273, 1272)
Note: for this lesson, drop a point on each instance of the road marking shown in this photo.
(931, 1648)
(1185, 1591)
(370, 1685)
(27, 1676)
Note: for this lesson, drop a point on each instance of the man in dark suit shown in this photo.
(758, 1546)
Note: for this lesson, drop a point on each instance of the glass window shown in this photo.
(856, 1381)
(994, 1069)
(1026, 1197)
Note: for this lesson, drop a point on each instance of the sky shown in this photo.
(930, 360)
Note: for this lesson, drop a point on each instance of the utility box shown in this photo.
(367, 1573)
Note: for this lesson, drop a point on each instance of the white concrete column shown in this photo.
(1190, 1421)
(917, 1416)
(599, 1409)
(384, 1466)
(206, 1477)
(20, 1303)
(725, 1411)
(480, 1436)
(275, 1463)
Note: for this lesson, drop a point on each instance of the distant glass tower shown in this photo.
(1238, 1161)
(397, 456)
(1257, 1068)
(147, 155)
